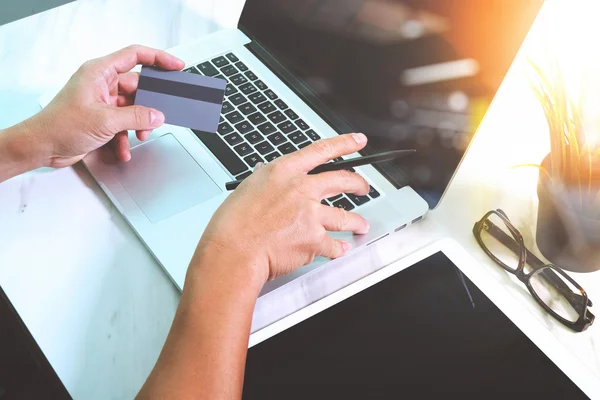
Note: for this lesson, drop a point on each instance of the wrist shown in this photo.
(20, 150)
(213, 260)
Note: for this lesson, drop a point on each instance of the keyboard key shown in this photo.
(291, 114)
(257, 118)
(277, 117)
(220, 77)
(221, 119)
(277, 139)
(267, 128)
(257, 98)
(233, 139)
(302, 125)
(344, 204)
(270, 94)
(241, 66)
(243, 149)
(287, 148)
(286, 127)
(207, 69)
(325, 203)
(261, 85)
(334, 198)
(192, 70)
(244, 127)
(229, 70)
(358, 200)
(312, 135)
(272, 156)
(248, 88)
(254, 137)
(281, 104)
(230, 89)
(244, 175)
(267, 107)
(227, 108)
(222, 152)
(238, 79)
(237, 99)
(303, 145)
(298, 137)
(232, 57)
(247, 108)
(224, 128)
(251, 76)
(253, 159)
(220, 61)
(264, 148)
(373, 193)
(234, 117)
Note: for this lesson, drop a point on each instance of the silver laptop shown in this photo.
(299, 71)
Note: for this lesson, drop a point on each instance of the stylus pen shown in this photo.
(345, 164)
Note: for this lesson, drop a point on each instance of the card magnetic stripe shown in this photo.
(179, 89)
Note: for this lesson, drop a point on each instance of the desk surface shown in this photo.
(93, 297)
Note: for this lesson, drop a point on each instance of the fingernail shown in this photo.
(346, 247)
(359, 138)
(156, 118)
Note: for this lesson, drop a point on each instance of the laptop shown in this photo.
(406, 73)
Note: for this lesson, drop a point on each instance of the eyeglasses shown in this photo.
(551, 287)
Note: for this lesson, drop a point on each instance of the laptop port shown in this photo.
(400, 228)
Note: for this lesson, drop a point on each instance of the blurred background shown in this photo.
(12, 10)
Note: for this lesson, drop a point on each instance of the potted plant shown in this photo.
(568, 225)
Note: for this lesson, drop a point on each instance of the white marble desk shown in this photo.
(91, 294)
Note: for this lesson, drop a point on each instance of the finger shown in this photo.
(134, 118)
(124, 101)
(331, 248)
(329, 184)
(143, 135)
(124, 60)
(122, 146)
(258, 166)
(128, 82)
(339, 220)
(325, 150)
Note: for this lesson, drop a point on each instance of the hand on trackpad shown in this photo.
(164, 180)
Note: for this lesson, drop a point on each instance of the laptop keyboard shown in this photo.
(257, 126)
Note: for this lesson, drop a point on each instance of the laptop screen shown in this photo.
(407, 73)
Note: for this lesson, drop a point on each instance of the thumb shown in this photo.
(332, 248)
(135, 118)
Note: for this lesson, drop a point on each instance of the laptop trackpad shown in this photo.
(164, 180)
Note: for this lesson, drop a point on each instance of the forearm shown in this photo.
(205, 352)
(18, 150)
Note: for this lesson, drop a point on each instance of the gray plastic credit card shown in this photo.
(186, 99)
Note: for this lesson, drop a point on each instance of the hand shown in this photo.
(275, 222)
(95, 107)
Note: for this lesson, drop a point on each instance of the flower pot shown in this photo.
(568, 230)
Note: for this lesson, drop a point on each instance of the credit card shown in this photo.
(188, 100)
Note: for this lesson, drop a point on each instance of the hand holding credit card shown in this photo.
(189, 100)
